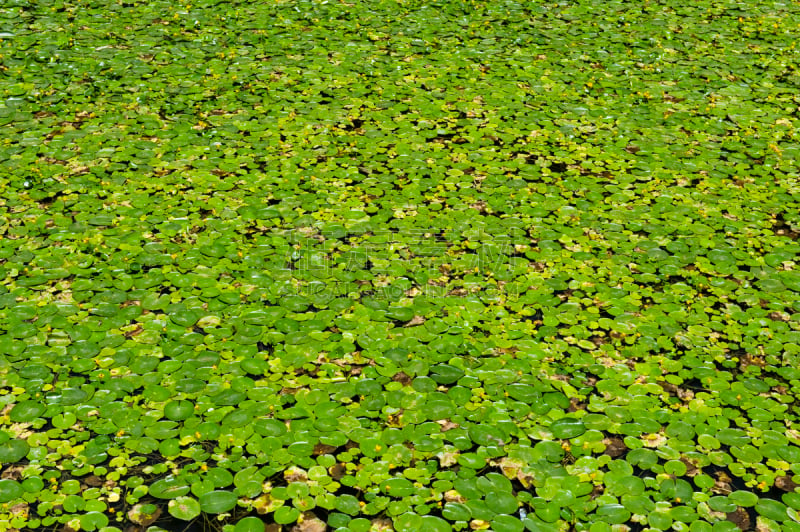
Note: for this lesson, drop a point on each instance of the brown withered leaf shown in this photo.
(458, 292)
(691, 466)
(750, 360)
(668, 387)
(778, 316)
(94, 481)
(446, 425)
(722, 486)
(12, 473)
(575, 404)
(337, 471)
(402, 378)
(672, 99)
(479, 206)
(614, 447)
(321, 448)
(740, 518)
(786, 483)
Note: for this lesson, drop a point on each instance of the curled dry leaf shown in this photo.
(12, 473)
(416, 320)
(448, 459)
(446, 425)
(722, 485)
(453, 496)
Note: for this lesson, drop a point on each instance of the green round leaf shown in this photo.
(743, 498)
(507, 523)
(772, 509)
(613, 513)
(178, 410)
(397, 487)
(792, 499)
(217, 502)
(502, 502)
(184, 508)
(455, 511)
(12, 451)
(701, 526)
(26, 411)
(10, 490)
(33, 484)
(660, 520)
(487, 435)
(348, 504)
(408, 522)
(566, 428)
(93, 521)
(286, 515)
(169, 488)
(249, 524)
(435, 524)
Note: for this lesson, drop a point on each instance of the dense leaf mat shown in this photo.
(421, 265)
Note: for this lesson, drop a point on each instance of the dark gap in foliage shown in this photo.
(781, 228)
(268, 348)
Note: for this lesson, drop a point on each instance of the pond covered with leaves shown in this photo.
(420, 266)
